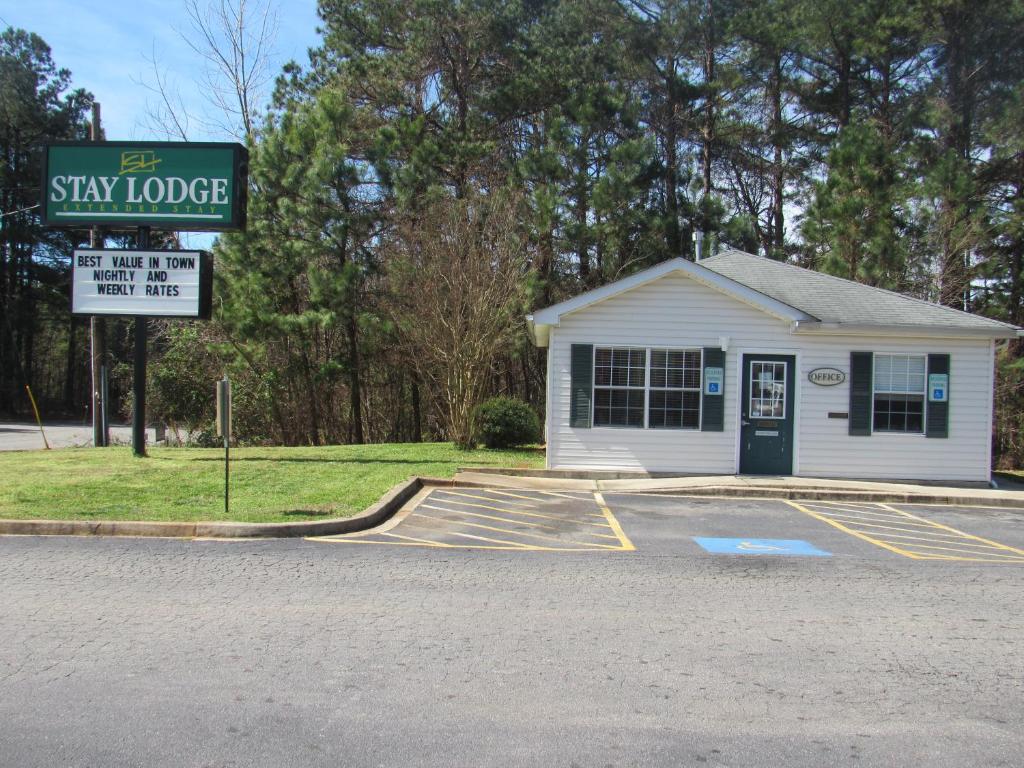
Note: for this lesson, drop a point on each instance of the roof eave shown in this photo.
(540, 332)
(911, 331)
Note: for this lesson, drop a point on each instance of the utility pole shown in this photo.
(98, 333)
(139, 376)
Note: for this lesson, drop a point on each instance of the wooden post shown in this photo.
(139, 375)
(97, 332)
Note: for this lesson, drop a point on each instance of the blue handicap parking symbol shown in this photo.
(760, 547)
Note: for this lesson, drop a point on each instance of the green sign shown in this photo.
(165, 185)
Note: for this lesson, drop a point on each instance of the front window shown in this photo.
(656, 388)
(899, 393)
(620, 379)
(675, 389)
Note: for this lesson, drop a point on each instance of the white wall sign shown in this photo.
(148, 283)
(938, 387)
(713, 377)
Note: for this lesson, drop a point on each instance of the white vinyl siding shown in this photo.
(675, 312)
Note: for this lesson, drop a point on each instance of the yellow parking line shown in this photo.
(507, 511)
(613, 523)
(940, 541)
(484, 498)
(850, 531)
(478, 506)
(427, 542)
(889, 527)
(491, 517)
(514, 544)
(968, 559)
(859, 513)
(954, 537)
(1011, 558)
(514, 495)
(995, 544)
(563, 495)
(515, 533)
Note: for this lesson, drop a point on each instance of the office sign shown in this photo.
(826, 377)
(142, 283)
(166, 185)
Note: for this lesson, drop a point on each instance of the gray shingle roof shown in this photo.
(835, 300)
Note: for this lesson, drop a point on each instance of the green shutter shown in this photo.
(712, 412)
(861, 390)
(937, 418)
(581, 385)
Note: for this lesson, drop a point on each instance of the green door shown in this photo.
(766, 415)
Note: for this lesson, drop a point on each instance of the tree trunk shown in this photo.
(417, 416)
(778, 216)
(672, 235)
(710, 98)
(355, 392)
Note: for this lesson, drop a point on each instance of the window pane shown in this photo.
(900, 373)
(691, 410)
(767, 390)
(899, 413)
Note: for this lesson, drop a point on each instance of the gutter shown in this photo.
(923, 331)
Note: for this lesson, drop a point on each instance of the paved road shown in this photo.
(124, 652)
(24, 436)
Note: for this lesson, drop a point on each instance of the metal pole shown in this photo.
(227, 465)
(139, 376)
(97, 331)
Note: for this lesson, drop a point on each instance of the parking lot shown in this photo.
(582, 521)
(558, 629)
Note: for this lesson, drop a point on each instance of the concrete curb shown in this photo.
(809, 494)
(372, 516)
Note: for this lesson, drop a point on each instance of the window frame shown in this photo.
(923, 394)
(646, 389)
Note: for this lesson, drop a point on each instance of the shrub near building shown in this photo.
(503, 422)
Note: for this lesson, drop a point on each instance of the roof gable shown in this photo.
(542, 320)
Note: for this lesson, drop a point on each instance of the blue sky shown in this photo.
(105, 44)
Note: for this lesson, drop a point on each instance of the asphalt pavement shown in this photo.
(728, 633)
(25, 436)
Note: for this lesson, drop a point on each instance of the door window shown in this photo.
(767, 390)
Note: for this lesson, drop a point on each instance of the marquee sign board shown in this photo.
(142, 283)
(166, 185)
(826, 377)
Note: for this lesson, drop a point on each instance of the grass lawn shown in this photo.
(267, 484)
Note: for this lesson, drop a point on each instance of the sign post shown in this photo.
(224, 429)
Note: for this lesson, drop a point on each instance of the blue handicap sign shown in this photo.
(713, 387)
(760, 547)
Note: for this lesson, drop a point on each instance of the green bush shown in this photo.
(503, 422)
